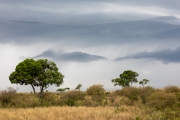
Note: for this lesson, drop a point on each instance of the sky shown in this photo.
(92, 41)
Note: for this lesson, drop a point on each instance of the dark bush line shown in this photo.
(95, 95)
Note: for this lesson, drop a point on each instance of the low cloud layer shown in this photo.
(70, 56)
(166, 56)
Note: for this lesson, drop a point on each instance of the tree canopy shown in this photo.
(40, 73)
(78, 87)
(143, 82)
(126, 78)
(63, 89)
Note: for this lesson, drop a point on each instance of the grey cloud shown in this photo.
(154, 3)
(144, 31)
(70, 56)
(166, 56)
(61, 11)
(160, 3)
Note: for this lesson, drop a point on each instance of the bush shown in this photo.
(121, 101)
(132, 93)
(88, 102)
(72, 98)
(146, 92)
(25, 100)
(161, 100)
(112, 96)
(6, 96)
(172, 89)
(96, 92)
(49, 99)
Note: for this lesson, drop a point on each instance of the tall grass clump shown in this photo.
(7, 96)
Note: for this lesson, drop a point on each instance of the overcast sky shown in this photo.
(92, 41)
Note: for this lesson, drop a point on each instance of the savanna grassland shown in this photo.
(95, 103)
(79, 113)
(68, 113)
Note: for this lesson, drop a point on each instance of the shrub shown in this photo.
(146, 92)
(88, 102)
(96, 92)
(25, 100)
(6, 96)
(72, 98)
(161, 100)
(49, 99)
(121, 101)
(112, 96)
(132, 93)
(172, 89)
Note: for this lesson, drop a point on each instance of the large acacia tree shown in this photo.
(40, 73)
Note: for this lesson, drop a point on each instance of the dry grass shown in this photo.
(68, 113)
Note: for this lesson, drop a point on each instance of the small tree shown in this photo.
(143, 82)
(63, 89)
(60, 90)
(121, 82)
(78, 87)
(126, 78)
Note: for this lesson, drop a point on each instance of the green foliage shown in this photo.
(48, 75)
(78, 87)
(161, 100)
(63, 89)
(121, 82)
(143, 82)
(60, 90)
(25, 73)
(40, 73)
(126, 78)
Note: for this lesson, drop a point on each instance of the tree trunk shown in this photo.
(33, 88)
(41, 92)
